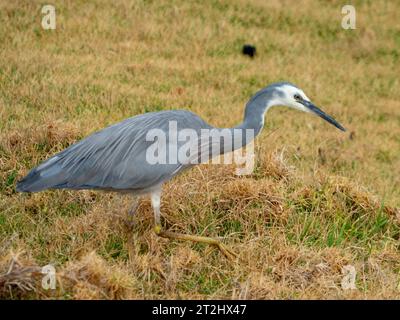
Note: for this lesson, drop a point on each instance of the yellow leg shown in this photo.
(180, 236)
(155, 201)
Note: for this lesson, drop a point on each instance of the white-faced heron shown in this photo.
(116, 158)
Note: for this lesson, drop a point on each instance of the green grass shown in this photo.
(318, 199)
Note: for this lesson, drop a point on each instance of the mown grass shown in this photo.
(317, 201)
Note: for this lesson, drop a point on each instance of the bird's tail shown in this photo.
(47, 175)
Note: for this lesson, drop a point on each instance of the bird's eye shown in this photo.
(297, 97)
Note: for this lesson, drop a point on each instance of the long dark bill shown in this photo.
(322, 114)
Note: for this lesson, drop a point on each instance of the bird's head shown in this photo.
(291, 96)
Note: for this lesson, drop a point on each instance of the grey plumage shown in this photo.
(111, 159)
(115, 158)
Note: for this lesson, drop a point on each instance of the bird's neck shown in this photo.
(253, 121)
(255, 110)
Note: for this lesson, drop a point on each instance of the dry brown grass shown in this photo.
(318, 200)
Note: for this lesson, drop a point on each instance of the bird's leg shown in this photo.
(129, 220)
(156, 201)
(135, 205)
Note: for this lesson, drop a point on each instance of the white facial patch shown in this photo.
(288, 97)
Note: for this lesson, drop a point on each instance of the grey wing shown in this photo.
(113, 158)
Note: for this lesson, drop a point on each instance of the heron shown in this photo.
(114, 158)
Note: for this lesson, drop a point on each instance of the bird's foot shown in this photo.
(157, 229)
(226, 251)
(211, 241)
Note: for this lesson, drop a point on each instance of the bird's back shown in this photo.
(113, 158)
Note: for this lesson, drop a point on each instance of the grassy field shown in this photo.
(318, 201)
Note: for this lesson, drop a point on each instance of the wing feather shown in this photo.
(113, 158)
